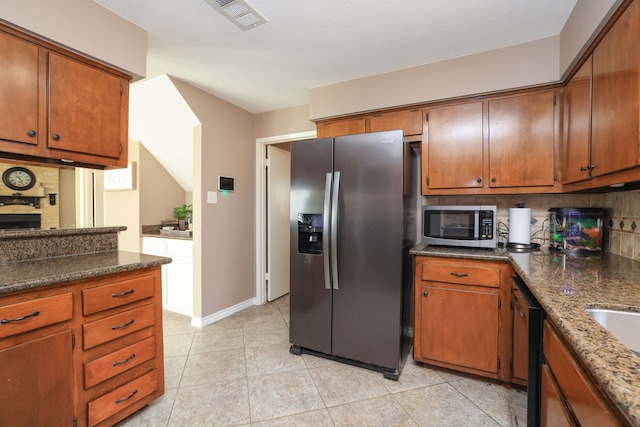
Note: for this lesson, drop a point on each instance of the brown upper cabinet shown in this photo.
(410, 122)
(577, 126)
(58, 107)
(454, 147)
(341, 127)
(494, 146)
(616, 83)
(521, 140)
(19, 97)
(602, 140)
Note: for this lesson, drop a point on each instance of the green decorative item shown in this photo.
(183, 213)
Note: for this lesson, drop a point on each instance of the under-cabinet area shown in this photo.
(84, 353)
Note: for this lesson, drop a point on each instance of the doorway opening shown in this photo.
(272, 254)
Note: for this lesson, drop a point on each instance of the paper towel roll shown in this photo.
(520, 225)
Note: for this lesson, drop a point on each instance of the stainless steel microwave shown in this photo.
(470, 226)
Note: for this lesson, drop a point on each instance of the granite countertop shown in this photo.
(566, 284)
(35, 273)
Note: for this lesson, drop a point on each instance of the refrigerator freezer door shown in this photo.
(367, 307)
(310, 312)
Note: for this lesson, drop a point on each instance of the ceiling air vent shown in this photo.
(238, 12)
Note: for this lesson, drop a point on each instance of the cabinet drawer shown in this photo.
(578, 390)
(462, 274)
(116, 326)
(122, 397)
(119, 361)
(29, 315)
(116, 294)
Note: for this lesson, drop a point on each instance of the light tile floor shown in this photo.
(239, 372)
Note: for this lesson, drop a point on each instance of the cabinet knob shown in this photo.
(31, 133)
(56, 137)
(493, 179)
(425, 294)
(479, 180)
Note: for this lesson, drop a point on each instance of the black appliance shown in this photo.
(534, 353)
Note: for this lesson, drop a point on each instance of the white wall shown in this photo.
(536, 62)
(224, 237)
(585, 21)
(83, 26)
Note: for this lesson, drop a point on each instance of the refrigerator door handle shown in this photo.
(334, 229)
(325, 241)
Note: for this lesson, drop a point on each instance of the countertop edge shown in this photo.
(35, 281)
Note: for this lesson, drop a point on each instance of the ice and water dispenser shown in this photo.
(310, 234)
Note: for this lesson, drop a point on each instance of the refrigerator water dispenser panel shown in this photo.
(310, 233)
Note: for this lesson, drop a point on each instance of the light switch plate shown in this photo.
(212, 197)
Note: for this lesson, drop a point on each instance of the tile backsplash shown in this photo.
(622, 220)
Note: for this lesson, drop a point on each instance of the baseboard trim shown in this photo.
(201, 322)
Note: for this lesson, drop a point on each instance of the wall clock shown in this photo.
(18, 178)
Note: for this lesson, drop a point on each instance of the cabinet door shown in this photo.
(410, 122)
(521, 140)
(341, 127)
(616, 75)
(18, 90)
(580, 393)
(520, 338)
(459, 326)
(553, 411)
(454, 141)
(37, 389)
(577, 125)
(86, 110)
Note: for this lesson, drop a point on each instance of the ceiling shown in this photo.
(308, 44)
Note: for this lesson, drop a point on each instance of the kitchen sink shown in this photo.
(624, 325)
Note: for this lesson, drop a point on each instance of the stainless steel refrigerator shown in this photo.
(352, 225)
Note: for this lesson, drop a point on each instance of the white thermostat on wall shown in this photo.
(225, 183)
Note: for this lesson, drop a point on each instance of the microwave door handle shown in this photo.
(334, 229)
(326, 227)
(476, 225)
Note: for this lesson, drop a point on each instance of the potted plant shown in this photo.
(182, 213)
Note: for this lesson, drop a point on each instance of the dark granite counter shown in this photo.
(31, 274)
(567, 284)
(36, 258)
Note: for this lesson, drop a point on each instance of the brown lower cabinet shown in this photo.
(520, 338)
(569, 396)
(461, 322)
(85, 353)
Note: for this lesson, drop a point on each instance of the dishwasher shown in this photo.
(529, 310)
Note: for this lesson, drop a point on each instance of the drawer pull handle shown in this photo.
(17, 319)
(459, 274)
(123, 325)
(122, 362)
(123, 293)
(127, 398)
